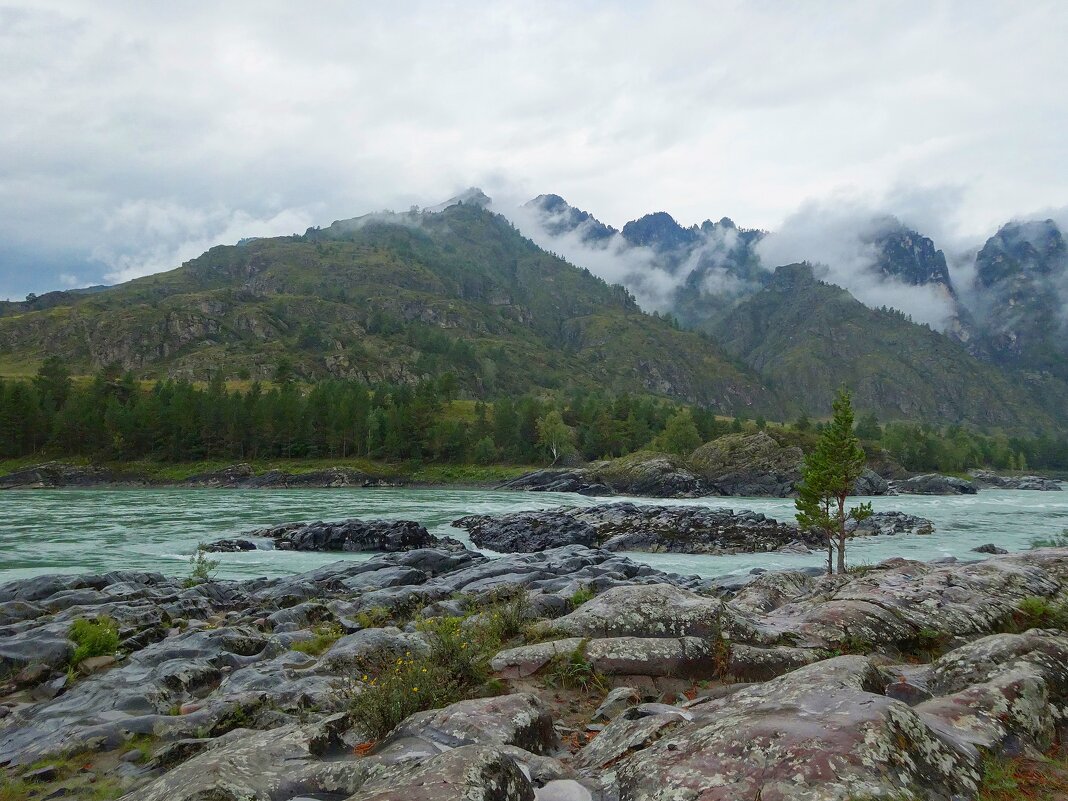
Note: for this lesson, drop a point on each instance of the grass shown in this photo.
(324, 635)
(573, 671)
(581, 596)
(1036, 612)
(1023, 779)
(99, 637)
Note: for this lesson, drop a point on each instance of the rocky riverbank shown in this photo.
(625, 526)
(894, 682)
(988, 478)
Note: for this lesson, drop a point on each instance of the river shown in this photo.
(66, 531)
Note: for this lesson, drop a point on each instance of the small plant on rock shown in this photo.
(573, 671)
(581, 596)
(1037, 612)
(99, 637)
(323, 636)
(201, 567)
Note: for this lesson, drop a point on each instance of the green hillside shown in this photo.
(806, 338)
(395, 297)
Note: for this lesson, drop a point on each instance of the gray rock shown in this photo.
(890, 523)
(934, 484)
(988, 478)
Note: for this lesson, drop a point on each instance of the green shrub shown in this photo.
(507, 615)
(456, 667)
(98, 637)
(374, 618)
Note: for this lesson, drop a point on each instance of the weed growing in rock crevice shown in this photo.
(99, 637)
(573, 671)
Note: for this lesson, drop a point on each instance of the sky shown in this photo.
(133, 136)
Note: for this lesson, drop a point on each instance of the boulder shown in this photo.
(656, 475)
(748, 465)
(344, 535)
(889, 523)
(871, 483)
(468, 773)
(934, 484)
(527, 532)
(656, 610)
(988, 478)
(576, 481)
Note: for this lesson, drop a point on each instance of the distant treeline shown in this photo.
(113, 417)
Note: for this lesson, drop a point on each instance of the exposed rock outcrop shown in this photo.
(627, 526)
(890, 523)
(988, 478)
(934, 484)
(345, 535)
(758, 697)
(748, 465)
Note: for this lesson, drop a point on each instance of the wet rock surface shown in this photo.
(626, 526)
(211, 694)
(385, 536)
(988, 478)
(934, 484)
(888, 523)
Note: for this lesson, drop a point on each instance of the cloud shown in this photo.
(151, 236)
(252, 110)
(839, 237)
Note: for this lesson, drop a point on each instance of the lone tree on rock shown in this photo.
(827, 479)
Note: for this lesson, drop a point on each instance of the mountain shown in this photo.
(1021, 297)
(807, 338)
(387, 297)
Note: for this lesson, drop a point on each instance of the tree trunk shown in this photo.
(841, 535)
(830, 553)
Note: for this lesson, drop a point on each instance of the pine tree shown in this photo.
(827, 479)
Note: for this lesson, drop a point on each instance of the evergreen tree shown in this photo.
(827, 479)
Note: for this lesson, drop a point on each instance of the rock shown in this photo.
(908, 692)
(988, 478)
(469, 773)
(521, 720)
(656, 475)
(47, 773)
(32, 675)
(94, 663)
(657, 610)
(618, 700)
(871, 483)
(990, 548)
(527, 531)
(133, 755)
(557, 481)
(748, 465)
(345, 535)
(230, 546)
(934, 484)
(627, 526)
(889, 523)
(562, 790)
(57, 474)
(826, 729)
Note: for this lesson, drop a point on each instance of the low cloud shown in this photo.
(148, 236)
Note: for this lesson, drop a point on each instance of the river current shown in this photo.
(68, 531)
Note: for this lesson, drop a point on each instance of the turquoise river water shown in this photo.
(53, 531)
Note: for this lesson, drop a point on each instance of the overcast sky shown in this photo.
(134, 136)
